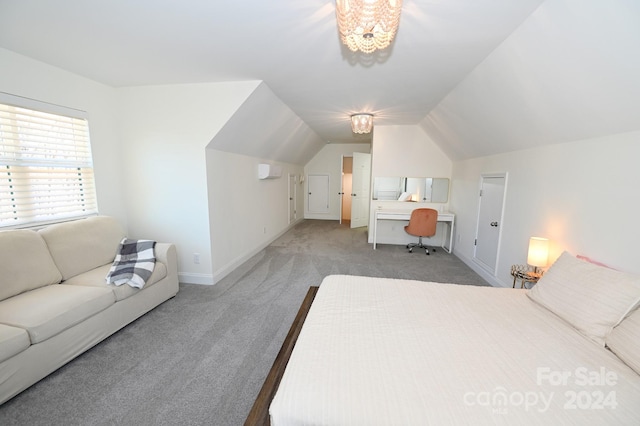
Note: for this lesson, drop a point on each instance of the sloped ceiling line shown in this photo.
(555, 79)
(266, 128)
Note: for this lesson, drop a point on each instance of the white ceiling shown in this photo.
(293, 46)
(479, 76)
(570, 72)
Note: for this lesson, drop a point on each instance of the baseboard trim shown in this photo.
(494, 281)
(320, 216)
(193, 278)
(231, 266)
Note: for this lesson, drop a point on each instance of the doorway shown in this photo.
(489, 226)
(347, 190)
(355, 194)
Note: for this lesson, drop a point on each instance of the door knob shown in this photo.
(353, 195)
(494, 224)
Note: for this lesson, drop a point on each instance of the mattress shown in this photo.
(377, 351)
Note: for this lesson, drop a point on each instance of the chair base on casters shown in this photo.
(419, 244)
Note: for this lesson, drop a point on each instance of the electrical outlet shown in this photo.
(264, 230)
(196, 258)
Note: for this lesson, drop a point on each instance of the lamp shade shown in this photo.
(538, 252)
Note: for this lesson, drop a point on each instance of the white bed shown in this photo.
(377, 351)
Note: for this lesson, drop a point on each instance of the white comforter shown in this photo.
(395, 352)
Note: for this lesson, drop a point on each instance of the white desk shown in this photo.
(382, 214)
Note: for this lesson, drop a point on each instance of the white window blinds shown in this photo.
(46, 171)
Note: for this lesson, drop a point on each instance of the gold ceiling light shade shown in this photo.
(368, 25)
(362, 123)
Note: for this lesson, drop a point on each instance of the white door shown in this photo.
(360, 186)
(487, 243)
(346, 189)
(318, 192)
(293, 179)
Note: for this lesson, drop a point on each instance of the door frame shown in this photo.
(483, 176)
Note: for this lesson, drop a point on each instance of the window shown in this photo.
(46, 171)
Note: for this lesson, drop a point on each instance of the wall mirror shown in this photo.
(420, 189)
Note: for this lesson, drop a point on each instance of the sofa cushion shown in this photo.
(82, 245)
(12, 341)
(47, 311)
(592, 298)
(96, 278)
(25, 263)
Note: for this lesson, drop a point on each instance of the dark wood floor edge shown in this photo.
(259, 414)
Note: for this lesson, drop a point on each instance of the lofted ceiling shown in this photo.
(293, 46)
(570, 72)
(479, 76)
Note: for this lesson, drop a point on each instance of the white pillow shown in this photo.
(624, 340)
(592, 298)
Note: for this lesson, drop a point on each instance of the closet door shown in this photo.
(488, 232)
(318, 193)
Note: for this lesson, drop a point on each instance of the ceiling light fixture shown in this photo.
(368, 25)
(362, 123)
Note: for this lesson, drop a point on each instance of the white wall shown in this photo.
(329, 162)
(150, 158)
(165, 130)
(26, 77)
(582, 195)
(405, 151)
(245, 213)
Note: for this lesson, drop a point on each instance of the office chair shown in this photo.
(422, 223)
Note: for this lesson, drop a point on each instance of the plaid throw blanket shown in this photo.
(133, 264)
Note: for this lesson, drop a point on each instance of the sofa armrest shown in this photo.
(166, 253)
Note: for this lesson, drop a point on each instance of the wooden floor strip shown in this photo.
(259, 414)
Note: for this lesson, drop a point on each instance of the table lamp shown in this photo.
(538, 255)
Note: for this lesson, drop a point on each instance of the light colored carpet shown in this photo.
(201, 357)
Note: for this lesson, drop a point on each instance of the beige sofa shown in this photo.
(54, 301)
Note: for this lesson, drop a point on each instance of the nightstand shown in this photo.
(522, 273)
